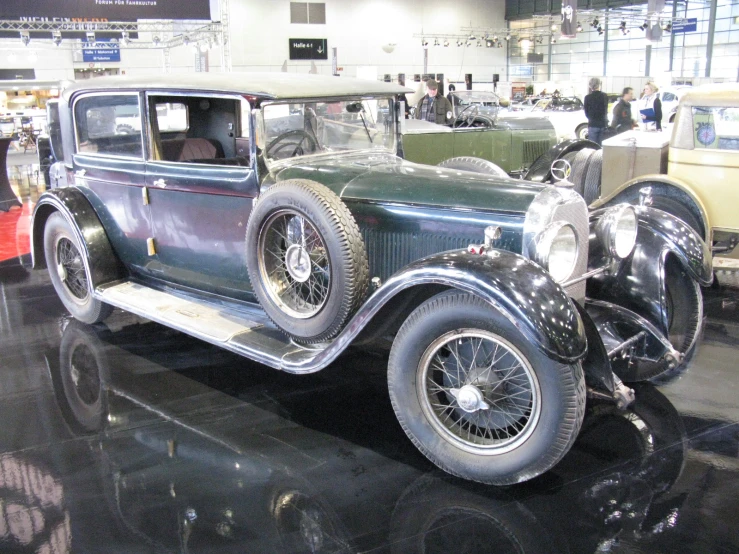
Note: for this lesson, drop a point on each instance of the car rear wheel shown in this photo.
(476, 398)
(306, 259)
(581, 132)
(68, 271)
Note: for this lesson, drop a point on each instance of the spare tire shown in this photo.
(591, 190)
(580, 169)
(476, 165)
(306, 259)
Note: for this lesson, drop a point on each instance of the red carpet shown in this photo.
(14, 227)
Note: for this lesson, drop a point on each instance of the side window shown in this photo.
(109, 125)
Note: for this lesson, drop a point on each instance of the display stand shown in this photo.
(8, 198)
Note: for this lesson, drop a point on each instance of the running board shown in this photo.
(247, 331)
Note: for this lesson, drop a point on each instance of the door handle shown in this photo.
(159, 183)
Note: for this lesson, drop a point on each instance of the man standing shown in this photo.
(622, 120)
(596, 110)
(434, 108)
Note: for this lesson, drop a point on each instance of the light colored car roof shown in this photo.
(271, 85)
(724, 94)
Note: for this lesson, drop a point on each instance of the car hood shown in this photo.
(390, 179)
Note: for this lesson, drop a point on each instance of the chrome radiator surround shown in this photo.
(560, 204)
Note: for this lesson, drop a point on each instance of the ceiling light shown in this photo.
(594, 24)
(489, 43)
(579, 27)
(25, 38)
(446, 43)
(508, 37)
(668, 27)
(424, 42)
(156, 40)
(479, 44)
(644, 26)
(125, 37)
(90, 36)
(460, 42)
(554, 27)
(600, 30)
(56, 38)
(436, 42)
(554, 40)
(472, 37)
(500, 45)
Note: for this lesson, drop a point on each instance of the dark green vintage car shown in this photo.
(273, 218)
(511, 144)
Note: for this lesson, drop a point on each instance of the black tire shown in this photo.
(547, 399)
(62, 248)
(580, 169)
(684, 301)
(591, 186)
(476, 165)
(309, 304)
(581, 132)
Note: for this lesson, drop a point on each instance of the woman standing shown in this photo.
(650, 108)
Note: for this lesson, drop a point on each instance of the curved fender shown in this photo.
(639, 280)
(102, 263)
(540, 170)
(667, 193)
(521, 290)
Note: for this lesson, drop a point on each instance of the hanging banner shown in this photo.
(103, 10)
(569, 18)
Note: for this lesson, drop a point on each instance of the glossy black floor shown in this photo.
(130, 437)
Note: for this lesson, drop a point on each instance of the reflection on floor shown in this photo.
(131, 437)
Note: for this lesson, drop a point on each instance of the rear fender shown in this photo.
(520, 290)
(540, 170)
(102, 264)
(667, 194)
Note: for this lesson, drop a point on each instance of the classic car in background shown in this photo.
(567, 114)
(283, 227)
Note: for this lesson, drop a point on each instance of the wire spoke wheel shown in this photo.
(294, 264)
(71, 269)
(478, 391)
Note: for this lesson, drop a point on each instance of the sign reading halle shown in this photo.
(308, 49)
(103, 10)
(101, 52)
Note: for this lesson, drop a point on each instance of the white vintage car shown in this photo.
(567, 114)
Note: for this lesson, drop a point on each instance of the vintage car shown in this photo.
(567, 114)
(282, 225)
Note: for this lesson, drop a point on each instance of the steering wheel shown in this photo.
(291, 140)
(465, 119)
(561, 169)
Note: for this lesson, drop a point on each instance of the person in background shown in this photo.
(434, 108)
(650, 101)
(596, 110)
(450, 94)
(622, 119)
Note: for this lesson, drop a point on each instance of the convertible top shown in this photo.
(276, 86)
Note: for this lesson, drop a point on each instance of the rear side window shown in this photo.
(109, 125)
(716, 128)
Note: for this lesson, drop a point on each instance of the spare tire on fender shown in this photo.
(306, 259)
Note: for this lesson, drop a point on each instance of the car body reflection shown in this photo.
(187, 468)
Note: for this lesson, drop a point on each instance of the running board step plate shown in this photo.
(243, 330)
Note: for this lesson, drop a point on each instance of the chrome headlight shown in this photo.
(556, 250)
(617, 230)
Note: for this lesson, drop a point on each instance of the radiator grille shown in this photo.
(576, 213)
(532, 149)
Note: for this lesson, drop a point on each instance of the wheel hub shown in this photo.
(298, 263)
(470, 398)
(62, 272)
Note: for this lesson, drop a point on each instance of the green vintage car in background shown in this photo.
(511, 144)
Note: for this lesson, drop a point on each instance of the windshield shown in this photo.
(477, 97)
(310, 128)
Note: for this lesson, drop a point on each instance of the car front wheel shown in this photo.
(581, 132)
(477, 398)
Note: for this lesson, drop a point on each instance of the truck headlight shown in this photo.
(617, 230)
(556, 250)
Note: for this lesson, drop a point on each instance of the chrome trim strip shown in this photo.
(585, 276)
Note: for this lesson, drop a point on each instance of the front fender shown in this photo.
(519, 289)
(668, 194)
(638, 281)
(102, 262)
(540, 170)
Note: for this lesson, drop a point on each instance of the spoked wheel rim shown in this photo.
(85, 374)
(478, 391)
(294, 264)
(71, 270)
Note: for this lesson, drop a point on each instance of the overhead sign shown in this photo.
(101, 52)
(308, 49)
(689, 25)
(103, 10)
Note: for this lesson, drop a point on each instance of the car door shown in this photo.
(109, 168)
(201, 183)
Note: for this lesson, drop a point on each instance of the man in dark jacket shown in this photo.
(434, 108)
(596, 110)
(622, 120)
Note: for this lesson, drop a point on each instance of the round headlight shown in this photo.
(617, 230)
(556, 250)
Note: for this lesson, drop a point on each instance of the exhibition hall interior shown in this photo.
(369, 276)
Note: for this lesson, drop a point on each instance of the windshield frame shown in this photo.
(261, 133)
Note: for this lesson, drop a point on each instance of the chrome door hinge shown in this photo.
(150, 247)
(145, 196)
